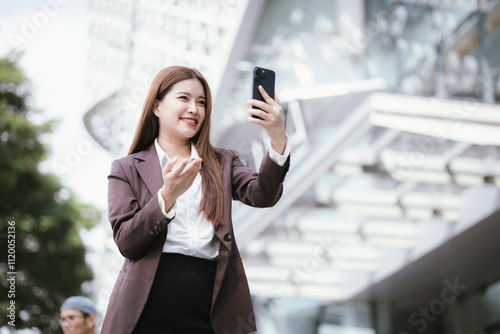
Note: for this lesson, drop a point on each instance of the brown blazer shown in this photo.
(139, 230)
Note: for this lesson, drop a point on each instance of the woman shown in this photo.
(169, 205)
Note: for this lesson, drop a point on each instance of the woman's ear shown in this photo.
(155, 108)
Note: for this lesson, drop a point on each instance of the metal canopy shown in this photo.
(385, 171)
(362, 201)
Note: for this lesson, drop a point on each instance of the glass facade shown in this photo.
(131, 40)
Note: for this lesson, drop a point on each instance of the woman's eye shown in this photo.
(183, 97)
(202, 103)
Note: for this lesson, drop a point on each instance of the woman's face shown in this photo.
(182, 111)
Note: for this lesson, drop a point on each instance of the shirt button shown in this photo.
(228, 237)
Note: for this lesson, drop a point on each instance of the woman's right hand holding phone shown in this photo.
(270, 117)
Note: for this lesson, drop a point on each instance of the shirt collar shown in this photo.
(163, 157)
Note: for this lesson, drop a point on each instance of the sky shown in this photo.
(53, 36)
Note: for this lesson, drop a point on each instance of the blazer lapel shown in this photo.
(148, 167)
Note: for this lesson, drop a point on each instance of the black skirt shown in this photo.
(181, 297)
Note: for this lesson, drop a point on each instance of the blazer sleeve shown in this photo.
(262, 189)
(136, 226)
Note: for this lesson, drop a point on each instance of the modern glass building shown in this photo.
(390, 218)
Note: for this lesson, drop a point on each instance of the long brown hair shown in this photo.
(149, 127)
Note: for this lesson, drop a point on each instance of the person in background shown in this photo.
(78, 316)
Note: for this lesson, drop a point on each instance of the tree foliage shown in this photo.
(49, 253)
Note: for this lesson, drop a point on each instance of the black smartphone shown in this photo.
(265, 78)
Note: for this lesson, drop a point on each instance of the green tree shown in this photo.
(43, 216)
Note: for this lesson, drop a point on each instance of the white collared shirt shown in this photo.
(190, 233)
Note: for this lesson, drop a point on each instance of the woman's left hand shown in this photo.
(270, 113)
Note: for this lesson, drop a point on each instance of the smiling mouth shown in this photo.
(190, 121)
